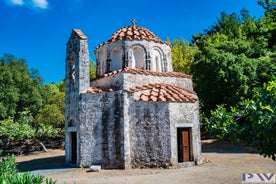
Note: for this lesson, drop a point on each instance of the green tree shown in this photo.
(229, 25)
(224, 72)
(221, 124)
(253, 121)
(182, 55)
(268, 5)
(264, 120)
(15, 131)
(52, 112)
(92, 70)
(61, 86)
(47, 91)
(234, 56)
(50, 115)
(9, 93)
(18, 90)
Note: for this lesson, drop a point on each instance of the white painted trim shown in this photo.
(72, 129)
(179, 125)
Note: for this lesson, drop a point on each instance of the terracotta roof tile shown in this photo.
(80, 34)
(145, 72)
(133, 33)
(154, 92)
(162, 98)
(96, 90)
(164, 92)
(144, 98)
(153, 98)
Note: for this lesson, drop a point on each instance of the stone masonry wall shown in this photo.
(185, 115)
(77, 79)
(149, 130)
(114, 82)
(131, 80)
(126, 80)
(126, 48)
(90, 129)
(101, 130)
(112, 133)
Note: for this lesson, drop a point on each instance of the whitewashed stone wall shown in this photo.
(148, 130)
(114, 82)
(102, 130)
(149, 127)
(131, 80)
(126, 80)
(185, 115)
(104, 55)
(153, 129)
(90, 128)
(77, 80)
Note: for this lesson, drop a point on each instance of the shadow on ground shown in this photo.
(215, 146)
(56, 162)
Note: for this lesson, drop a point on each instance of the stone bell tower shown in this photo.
(77, 80)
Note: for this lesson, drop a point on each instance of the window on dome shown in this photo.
(156, 62)
(116, 59)
(102, 62)
(139, 57)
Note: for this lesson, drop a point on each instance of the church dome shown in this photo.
(133, 47)
(133, 33)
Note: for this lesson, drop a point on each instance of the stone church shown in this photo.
(137, 112)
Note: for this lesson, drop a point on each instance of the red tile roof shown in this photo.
(161, 92)
(145, 72)
(133, 33)
(155, 92)
(96, 90)
(80, 34)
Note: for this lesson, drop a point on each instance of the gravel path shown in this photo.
(225, 164)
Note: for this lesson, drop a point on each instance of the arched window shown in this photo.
(72, 71)
(116, 59)
(101, 65)
(156, 61)
(139, 57)
(169, 62)
(71, 123)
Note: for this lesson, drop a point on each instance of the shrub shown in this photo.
(14, 131)
(10, 175)
(221, 124)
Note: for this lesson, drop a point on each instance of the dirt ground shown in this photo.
(224, 163)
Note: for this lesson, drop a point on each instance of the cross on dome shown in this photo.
(133, 21)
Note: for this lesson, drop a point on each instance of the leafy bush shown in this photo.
(24, 178)
(46, 131)
(10, 175)
(264, 120)
(14, 131)
(51, 114)
(221, 124)
(252, 121)
(7, 166)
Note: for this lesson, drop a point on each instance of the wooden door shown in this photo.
(184, 152)
(74, 147)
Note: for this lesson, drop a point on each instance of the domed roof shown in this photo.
(133, 33)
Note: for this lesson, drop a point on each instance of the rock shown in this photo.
(95, 168)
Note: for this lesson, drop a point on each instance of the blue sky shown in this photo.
(37, 30)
